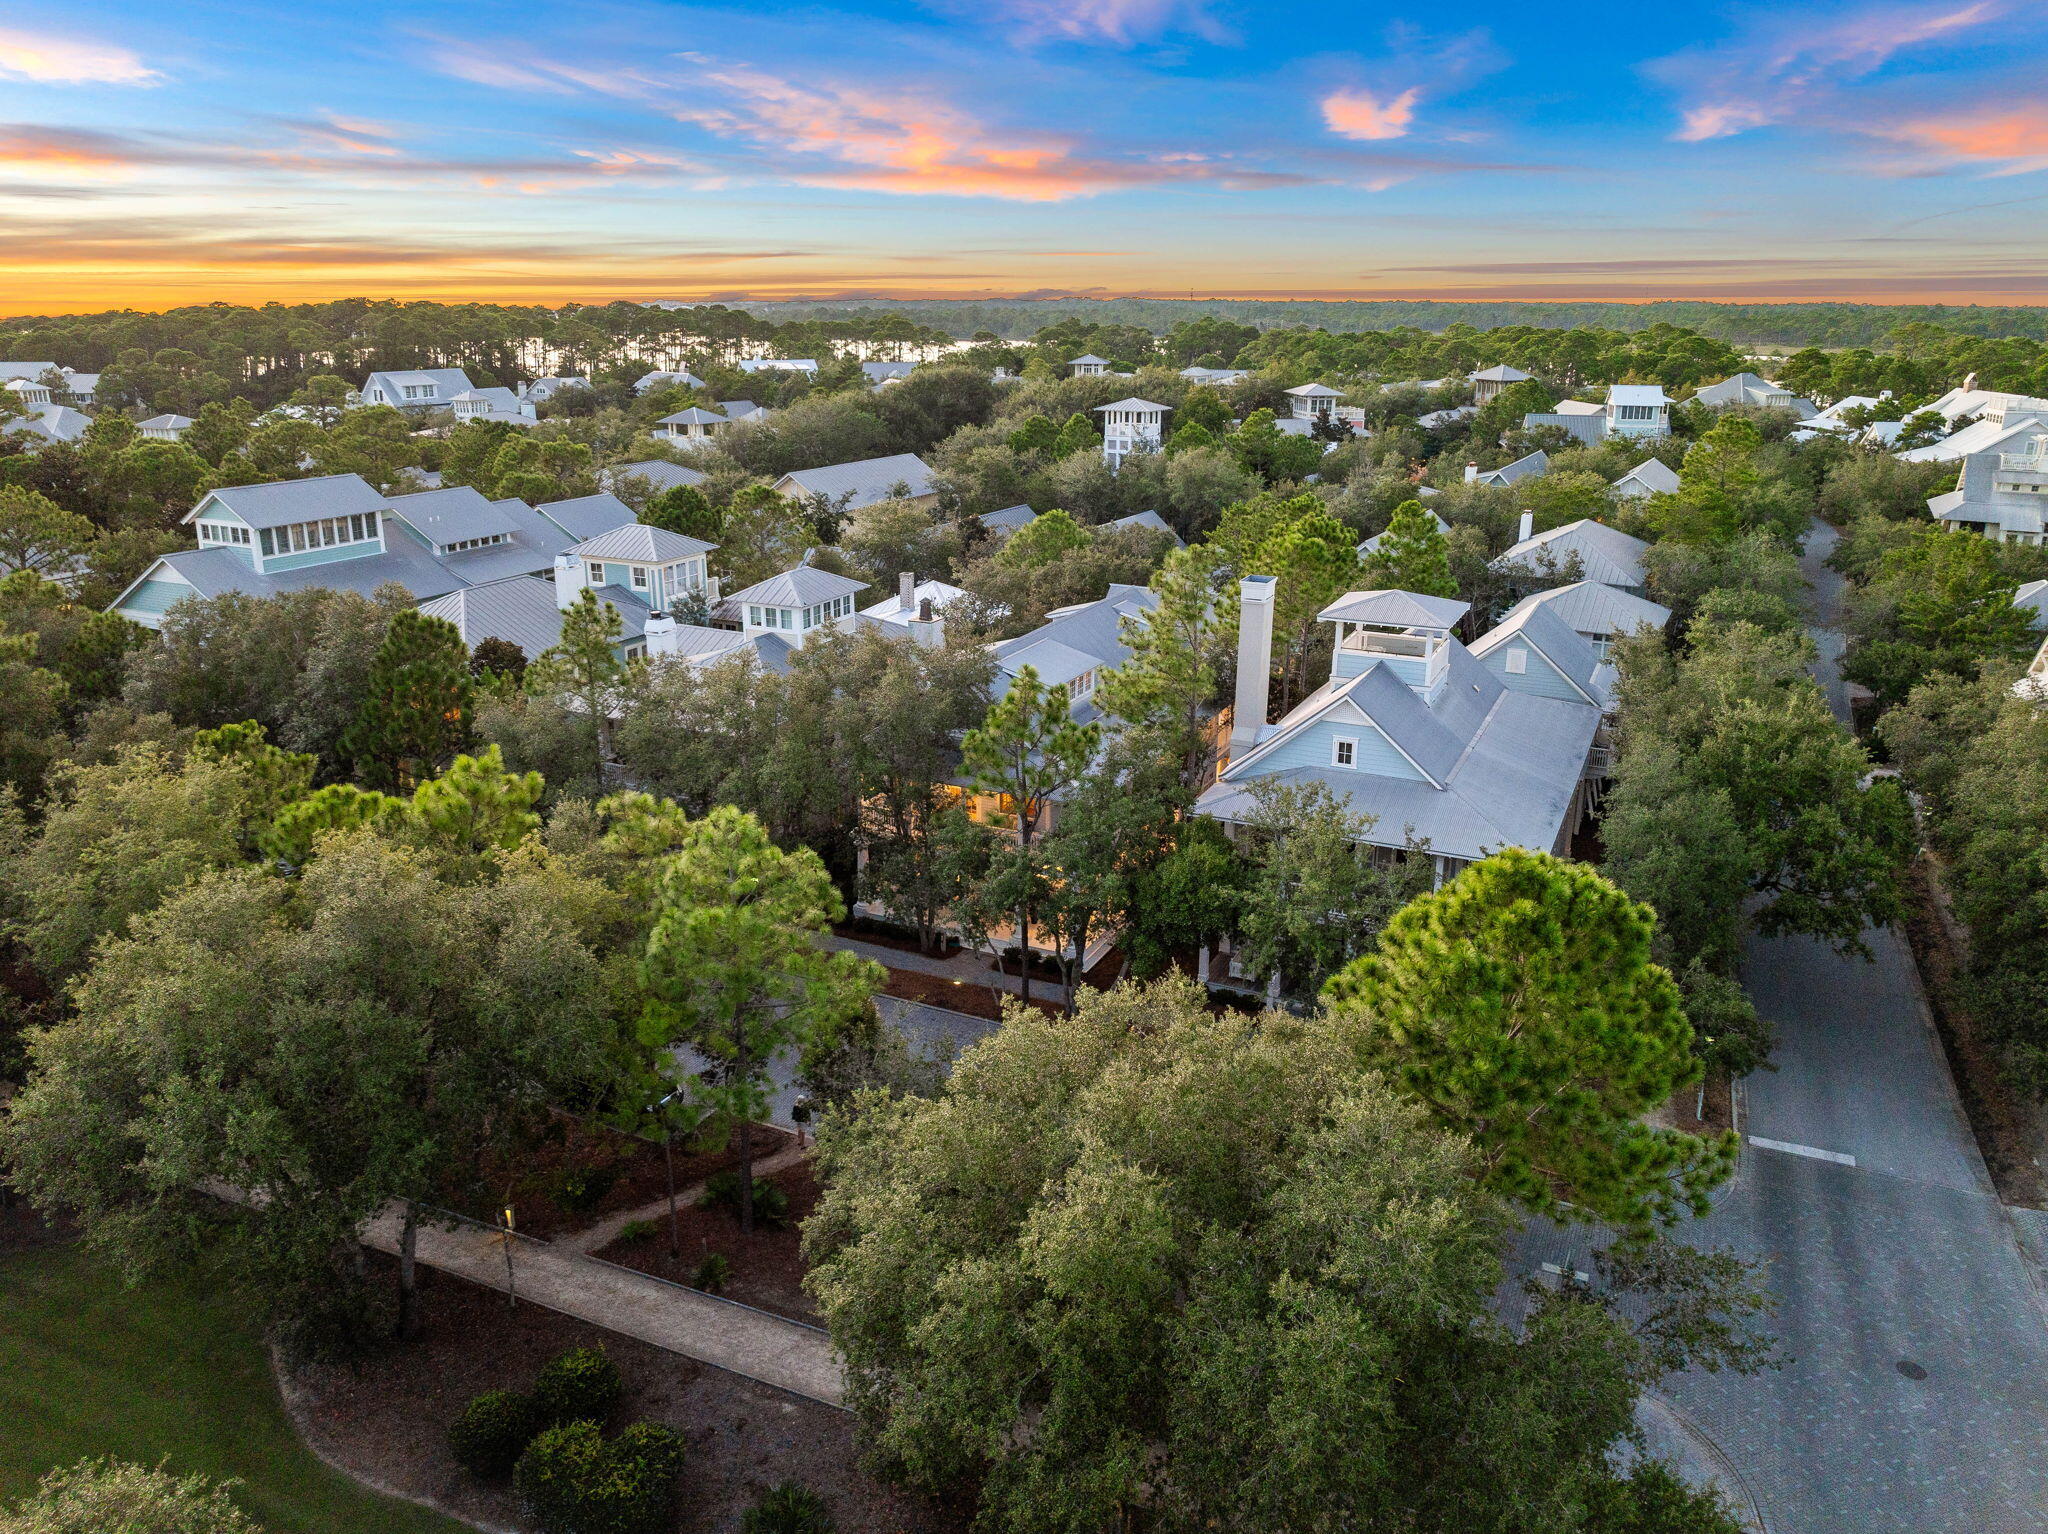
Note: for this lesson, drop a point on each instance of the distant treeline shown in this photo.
(1773, 324)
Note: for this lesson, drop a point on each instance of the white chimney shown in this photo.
(927, 627)
(660, 634)
(568, 580)
(906, 592)
(1471, 472)
(1254, 660)
(1528, 528)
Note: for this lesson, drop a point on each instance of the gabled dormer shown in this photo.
(658, 567)
(1406, 632)
(292, 523)
(796, 604)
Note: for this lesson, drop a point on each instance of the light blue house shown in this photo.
(1464, 751)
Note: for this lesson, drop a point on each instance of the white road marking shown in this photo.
(1803, 1150)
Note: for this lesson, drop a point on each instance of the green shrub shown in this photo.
(787, 1509)
(581, 1189)
(574, 1482)
(722, 1191)
(637, 1230)
(491, 1431)
(712, 1274)
(583, 1384)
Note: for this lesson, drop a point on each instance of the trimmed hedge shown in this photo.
(492, 1431)
(573, 1481)
(582, 1385)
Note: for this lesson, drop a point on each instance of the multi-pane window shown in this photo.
(1344, 753)
(475, 543)
(639, 577)
(223, 532)
(323, 533)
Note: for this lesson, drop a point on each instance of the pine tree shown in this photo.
(1078, 435)
(1412, 555)
(1027, 750)
(1038, 435)
(1519, 1004)
(732, 968)
(584, 666)
(1315, 561)
(1044, 540)
(684, 509)
(1164, 690)
(416, 707)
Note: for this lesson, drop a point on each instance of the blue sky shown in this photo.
(152, 155)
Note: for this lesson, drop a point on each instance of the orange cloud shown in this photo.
(2015, 136)
(1357, 114)
(51, 60)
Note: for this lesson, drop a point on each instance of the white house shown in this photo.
(164, 428)
(2014, 433)
(660, 380)
(1076, 646)
(494, 405)
(416, 388)
(1088, 366)
(879, 373)
(689, 427)
(796, 604)
(541, 390)
(777, 365)
(31, 393)
(1604, 554)
(1456, 753)
(1749, 389)
(2002, 495)
(2032, 599)
(1652, 476)
(916, 607)
(1216, 378)
(1638, 410)
(1130, 426)
(1491, 381)
(48, 423)
(1528, 466)
(850, 486)
(1596, 612)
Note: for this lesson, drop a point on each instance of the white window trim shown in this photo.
(1337, 746)
(1515, 660)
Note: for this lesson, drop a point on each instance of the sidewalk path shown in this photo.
(965, 965)
(779, 1352)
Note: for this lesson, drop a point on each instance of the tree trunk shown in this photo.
(746, 1139)
(408, 1273)
(1023, 912)
(668, 1162)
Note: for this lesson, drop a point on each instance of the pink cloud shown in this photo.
(2012, 138)
(51, 60)
(1781, 69)
(1359, 114)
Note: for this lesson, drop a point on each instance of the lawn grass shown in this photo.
(161, 1372)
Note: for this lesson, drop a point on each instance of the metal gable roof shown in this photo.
(658, 472)
(1315, 391)
(456, 514)
(1499, 373)
(647, 545)
(802, 587)
(521, 610)
(864, 481)
(588, 515)
(1637, 394)
(1054, 662)
(1009, 519)
(283, 502)
(1605, 553)
(1395, 609)
(1527, 466)
(1593, 607)
(1544, 630)
(1133, 403)
(1653, 475)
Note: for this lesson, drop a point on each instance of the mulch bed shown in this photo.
(1995, 1114)
(937, 991)
(1720, 1107)
(385, 1418)
(575, 1148)
(767, 1265)
(862, 929)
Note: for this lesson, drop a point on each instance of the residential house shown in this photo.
(850, 486)
(1150, 521)
(2002, 495)
(1603, 553)
(541, 390)
(1526, 467)
(522, 610)
(795, 605)
(777, 365)
(916, 608)
(2017, 433)
(476, 539)
(879, 373)
(81, 386)
(642, 571)
(1313, 402)
(1749, 389)
(1090, 366)
(1455, 753)
(1130, 426)
(2032, 599)
(692, 427)
(1005, 522)
(659, 474)
(1652, 476)
(164, 428)
(660, 380)
(1491, 381)
(588, 515)
(742, 409)
(1449, 416)
(1596, 612)
(31, 393)
(1371, 546)
(48, 423)
(1829, 422)
(415, 388)
(1075, 646)
(1216, 378)
(500, 405)
(1638, 410)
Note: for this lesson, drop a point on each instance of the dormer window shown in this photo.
(1083, 684)
(223, 532)
(463, 544)
(325, 533)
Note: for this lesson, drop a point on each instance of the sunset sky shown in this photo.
(153, 155)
